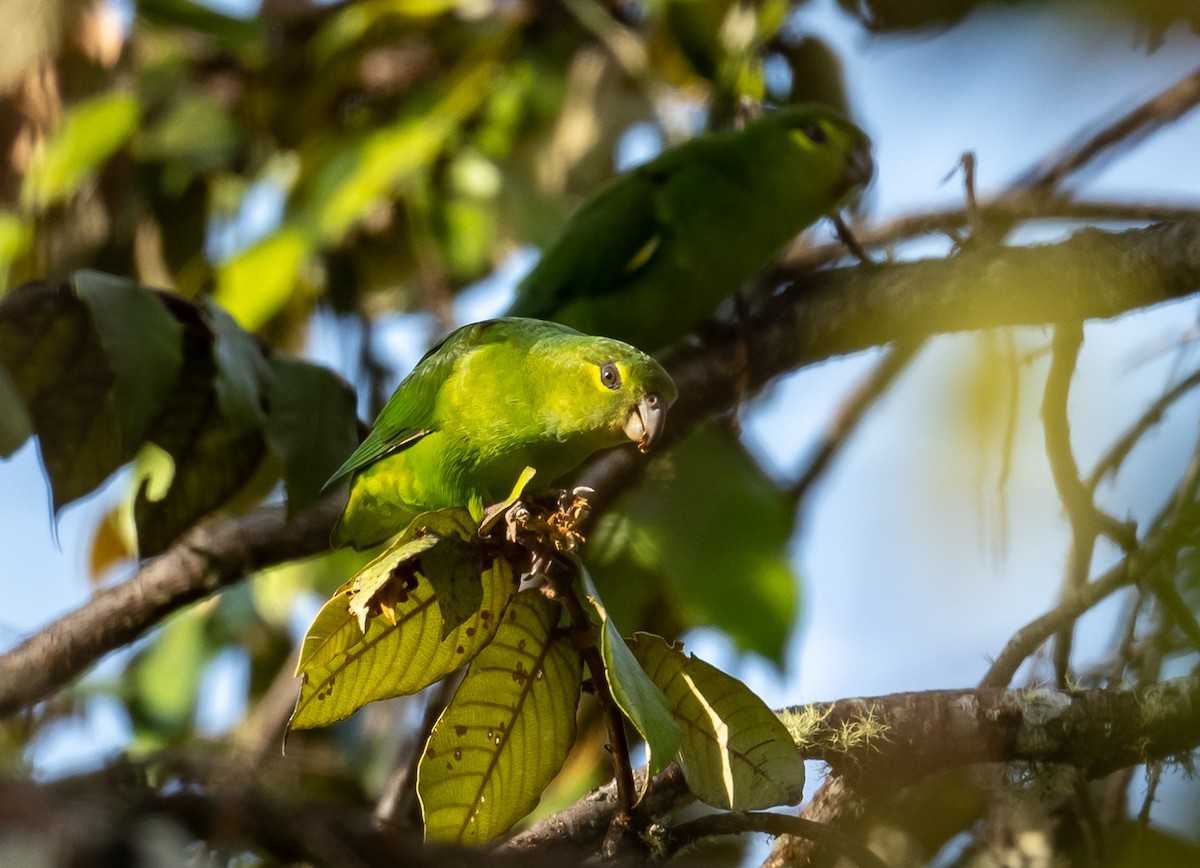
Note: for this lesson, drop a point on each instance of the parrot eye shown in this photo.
(815, 133)
(610, 376)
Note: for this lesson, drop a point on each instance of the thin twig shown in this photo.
(1111, 461)
(741, 823)
(584, 636)
(1161, 109)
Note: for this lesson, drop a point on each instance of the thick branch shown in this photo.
(893, 740)
(208, 558)
(1091, 275)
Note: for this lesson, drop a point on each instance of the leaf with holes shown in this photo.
(734, 752)
(342, 668)
(507, 731)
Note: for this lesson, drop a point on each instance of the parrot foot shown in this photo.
(547, 530)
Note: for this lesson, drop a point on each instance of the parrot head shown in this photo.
(618, 392)
(819, 150)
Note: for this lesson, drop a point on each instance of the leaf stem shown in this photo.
(562, 582)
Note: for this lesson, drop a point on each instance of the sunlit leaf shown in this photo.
(312, 426)
(342, 668)
(735, 753)
(358, 177)
(507, 731)
(388, 579)
(353, 21)
(90, 133)
(257, 283)
(639, 698)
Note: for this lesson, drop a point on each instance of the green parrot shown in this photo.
(654, 253)
(488, 401)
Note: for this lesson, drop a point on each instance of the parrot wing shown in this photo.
(606, 241)
(408, 414)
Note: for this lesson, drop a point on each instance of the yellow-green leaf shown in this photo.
(258, 282)
(507, 731)
(735, 753)
(358, 177)
(342, 668)
(90, 132)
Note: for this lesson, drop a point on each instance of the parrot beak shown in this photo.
(646, 420)
(860, 167)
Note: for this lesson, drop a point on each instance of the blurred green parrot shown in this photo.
(490, 400)
(654, 253)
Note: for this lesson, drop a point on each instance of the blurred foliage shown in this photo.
(349, 160)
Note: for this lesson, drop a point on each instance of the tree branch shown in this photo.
(739, 823)
(1093, 274)
(209, 557)
(890, 741)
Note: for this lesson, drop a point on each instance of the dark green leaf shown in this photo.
(311, 425)
(15, 424)
(212, 463)
(58, 367)
(639, 698)
(144, 346)
(712, 532)
(243, 376)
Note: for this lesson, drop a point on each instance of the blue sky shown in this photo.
(913, 574)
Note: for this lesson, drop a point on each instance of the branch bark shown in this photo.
(208, 558)
(895, 740)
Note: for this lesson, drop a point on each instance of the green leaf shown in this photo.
(15, 424)
(342, 668)
(57, 365)
(357, 177)
(638, 697)
(441, 547)
(143, 344)
(257, 282)
(453, 567)
(712, 534)
(166, 675)
(243, 376)
(212, 462)
(16, 234)
(311, 425)
(507, 731)
(734, 752)
(91, 131)
(387, 580)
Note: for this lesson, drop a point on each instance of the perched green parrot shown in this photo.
(490, 400)
(654, 253)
